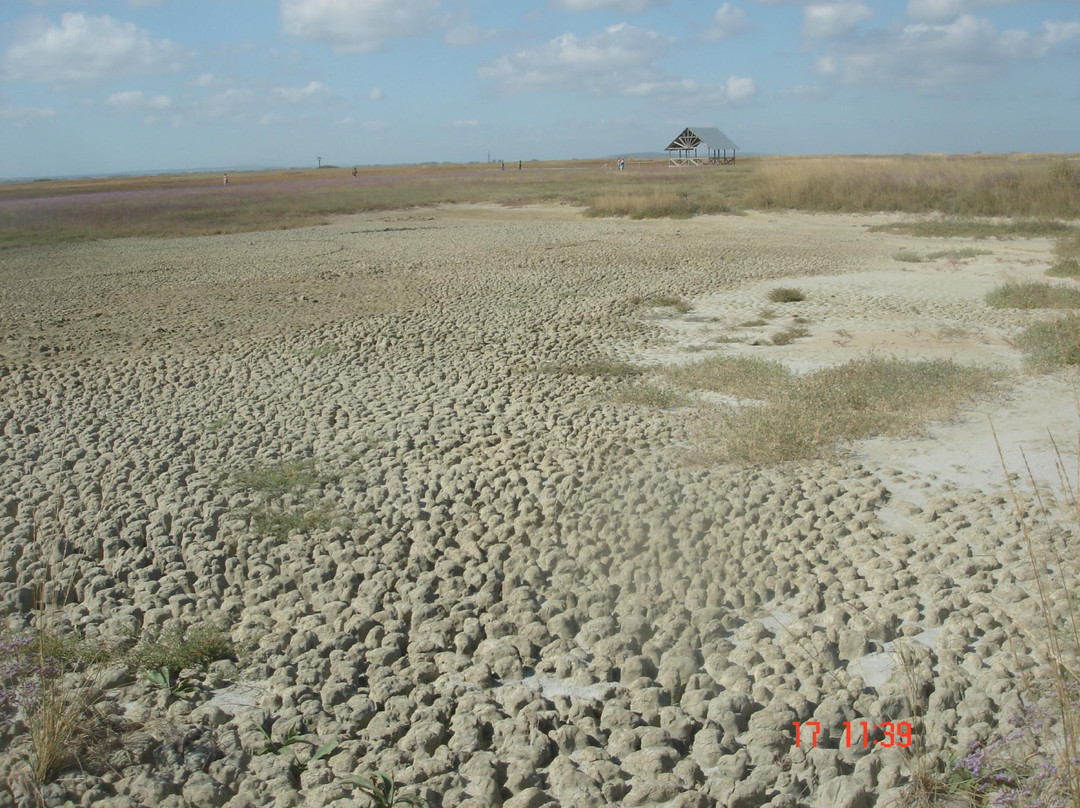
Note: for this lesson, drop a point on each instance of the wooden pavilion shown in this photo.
(683, 150)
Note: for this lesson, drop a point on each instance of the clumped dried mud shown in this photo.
(496, 582)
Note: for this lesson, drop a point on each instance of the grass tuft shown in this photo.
(1052, 345)
(789, 334)
(786, 294)
(908, 257)
(1034, 295)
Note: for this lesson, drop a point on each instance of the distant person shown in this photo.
(354, 171)
(225, 179)
(503, 163)
(622, 164)
(519, 165)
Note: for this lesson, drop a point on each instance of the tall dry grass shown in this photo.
(1030, 185)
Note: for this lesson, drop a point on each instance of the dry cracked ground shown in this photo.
(369, 454)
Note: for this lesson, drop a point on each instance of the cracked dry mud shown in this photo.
(500, 584)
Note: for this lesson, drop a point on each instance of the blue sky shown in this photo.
(101, 86)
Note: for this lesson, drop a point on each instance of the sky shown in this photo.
(111, 86)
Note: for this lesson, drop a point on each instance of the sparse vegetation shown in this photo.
(1068, 268)
(278, 479)
(178, 648)
(807, 416)
(959, 253)
(281, 523)
(786, 294)
(1052, 344)
(611, 368)
(908, 257)
(680, 304)
(789, 334)
(324, 350)
(650, 395)
(1034, 295)
(950, 227)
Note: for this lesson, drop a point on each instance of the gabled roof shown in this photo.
(708, 136)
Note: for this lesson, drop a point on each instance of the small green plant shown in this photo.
(908, 257)
(383, 791)
(292, 742)
(786, 294)
(282, 478)
(1034, 295)
(176, 649)
(176, 684)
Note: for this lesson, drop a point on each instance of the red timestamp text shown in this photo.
(858, 733)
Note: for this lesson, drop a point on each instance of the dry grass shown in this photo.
(786, 294)
(953, 227)
(1069, 268)
(1033, 295)
(1034, 185)
(198, 204)
(1052, 345)
(809, 416)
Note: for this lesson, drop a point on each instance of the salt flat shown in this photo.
(497, 581)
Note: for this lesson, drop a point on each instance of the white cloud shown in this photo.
(269, 119)
(312, 93)
(922, 54)
(145, 3)
(466, 34)
(374, 126)
(228, 103)
(606, 62)
(206, 80)
(470, 124)
(728, 21)
(941, 10)
(358, 26)
(83, 50)
(135, 100)
(830, 20)
(688, 91)
(376, 94)
(626, 6)
(739, 88)
(21, 116)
